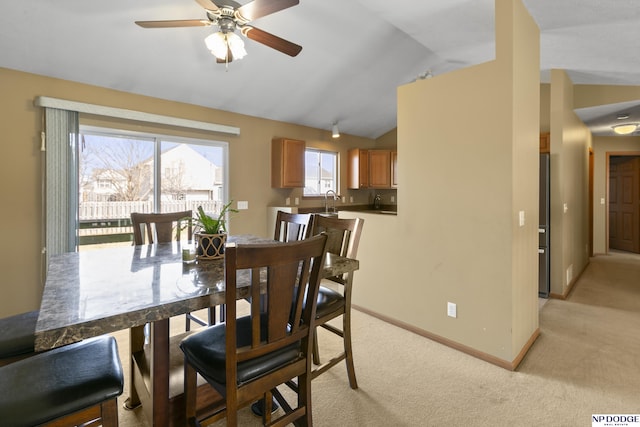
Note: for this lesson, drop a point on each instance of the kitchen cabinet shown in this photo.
(287, 163)
(545, 142)
(394, 169)
(358, 169)
(379, 169)
(369, 169)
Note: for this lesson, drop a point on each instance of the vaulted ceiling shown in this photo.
(355, 52)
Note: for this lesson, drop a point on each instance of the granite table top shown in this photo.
(94, 292)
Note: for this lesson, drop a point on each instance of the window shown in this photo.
(321, 172)
(123, 172)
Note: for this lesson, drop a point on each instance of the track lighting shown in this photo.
(335, 132)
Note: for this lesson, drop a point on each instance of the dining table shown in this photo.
(139, 288)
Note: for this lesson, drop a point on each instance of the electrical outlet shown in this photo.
(350, 199)
(602, 200)
(297, 201)
(344, 199)
(287, 201)
(452, 310)
(393, 199)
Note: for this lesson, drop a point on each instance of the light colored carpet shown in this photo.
(586, 361)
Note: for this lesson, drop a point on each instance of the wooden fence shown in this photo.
(110, 222)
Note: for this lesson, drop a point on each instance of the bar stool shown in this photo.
(17, 336)
(77, 383)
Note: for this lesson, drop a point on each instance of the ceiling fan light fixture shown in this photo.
(625, 129)
(236, 45)
(221, 43)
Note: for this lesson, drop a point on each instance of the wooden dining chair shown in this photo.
(292, 226)
(289, 227)
(77, 384)
(247, 358)
(151, 228)
(343, 237)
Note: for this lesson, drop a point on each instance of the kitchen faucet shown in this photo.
(376, 202)
(326, 202)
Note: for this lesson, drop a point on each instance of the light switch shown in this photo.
(287, 201)
(452, 309)
(297, 201)
(521, 218)
(243, 205)
(565, 207)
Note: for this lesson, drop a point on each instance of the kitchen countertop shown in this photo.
(384, 209)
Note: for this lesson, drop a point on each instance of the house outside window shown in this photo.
(124, 172)
(321, 172)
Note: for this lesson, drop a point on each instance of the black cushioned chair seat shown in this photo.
(59, 382)
(205, 350)
(328, 301)
(17, 334)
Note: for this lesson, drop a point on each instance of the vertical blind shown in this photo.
(61, 181)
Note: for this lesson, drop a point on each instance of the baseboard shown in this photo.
(569, 288)
(511, 366)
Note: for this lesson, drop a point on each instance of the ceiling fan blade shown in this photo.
(174, 23)
(259, 8)
(208, 5)
(272, 41)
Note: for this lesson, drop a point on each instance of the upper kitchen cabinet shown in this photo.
(369, 169)
(545, 142)
(287, 163)
(394, 169)
(358, 169)
(379, 169)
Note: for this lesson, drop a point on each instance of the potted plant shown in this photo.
(212, 233)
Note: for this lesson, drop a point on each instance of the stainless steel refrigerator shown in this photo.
(544, 228)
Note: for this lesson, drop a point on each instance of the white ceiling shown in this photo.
(355, 52)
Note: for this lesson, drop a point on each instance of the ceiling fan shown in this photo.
(225, 44)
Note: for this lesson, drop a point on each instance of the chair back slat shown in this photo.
(343, 234)
(292, 226)
(161, 227)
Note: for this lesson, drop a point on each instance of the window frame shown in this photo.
(336, 172)
(157, 139)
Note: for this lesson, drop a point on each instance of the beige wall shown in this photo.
(456, 237)
(570, 142)
(21, 189)
(545, 105)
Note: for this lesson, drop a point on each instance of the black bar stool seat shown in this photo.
(17, 336)
(62, 381)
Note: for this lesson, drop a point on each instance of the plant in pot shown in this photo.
(212, 233)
